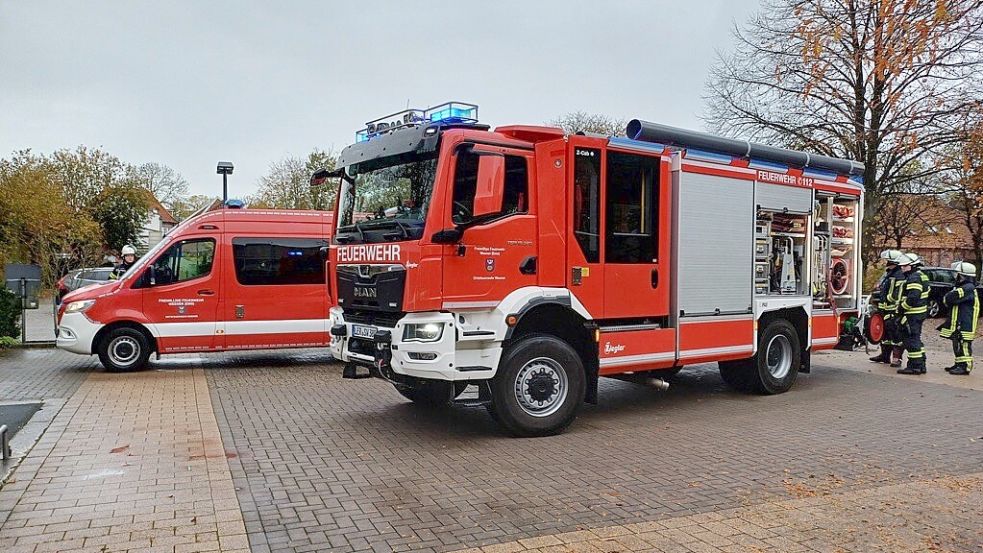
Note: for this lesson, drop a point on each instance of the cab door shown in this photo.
(496, 253)
(636, 248)
(181, 294)
(585, 278)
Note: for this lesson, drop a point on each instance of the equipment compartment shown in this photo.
(780, 246)
(834, 278)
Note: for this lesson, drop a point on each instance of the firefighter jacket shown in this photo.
(964, 314)
(890, 290)
(120, 270)
(914, 301)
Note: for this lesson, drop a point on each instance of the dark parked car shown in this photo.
(82, 277)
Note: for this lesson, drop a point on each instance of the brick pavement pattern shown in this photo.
(132, 462)
(38, 374)
(328, 464)
(931, 516)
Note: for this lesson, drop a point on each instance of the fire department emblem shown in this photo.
(182, 309)
(490, 264)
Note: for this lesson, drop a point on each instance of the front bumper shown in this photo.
(392, 356)
(76, 333)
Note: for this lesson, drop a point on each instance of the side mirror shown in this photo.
(152, 275)
(490, 190)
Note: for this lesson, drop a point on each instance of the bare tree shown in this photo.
(885, 82)
(185, 206)
(287, 184)
(166, 184)
(583, 122)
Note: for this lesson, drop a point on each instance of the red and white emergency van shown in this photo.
(516, 266)
(225, 279)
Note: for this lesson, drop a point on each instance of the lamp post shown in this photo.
(225, 169)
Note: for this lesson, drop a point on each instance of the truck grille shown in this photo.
(387, 319)
(371, 287)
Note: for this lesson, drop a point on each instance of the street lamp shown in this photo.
(225, 169)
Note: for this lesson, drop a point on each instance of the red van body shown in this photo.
(227, 279)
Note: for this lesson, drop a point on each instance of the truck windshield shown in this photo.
(386, 199)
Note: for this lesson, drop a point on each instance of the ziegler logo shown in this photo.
(368, 252)
(366, 292)
(617, 348)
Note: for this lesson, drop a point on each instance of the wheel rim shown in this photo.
(779, 356)
(933, 309)
(123, 350)
(541, 387)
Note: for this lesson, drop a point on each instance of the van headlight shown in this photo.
(79, 306)
(428, 332)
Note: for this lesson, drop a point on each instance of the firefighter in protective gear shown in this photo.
(129, 254)
(889, 294)
(913, 310)
(964, 315)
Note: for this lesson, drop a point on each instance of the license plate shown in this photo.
(360, 331)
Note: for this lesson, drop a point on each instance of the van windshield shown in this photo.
(387, 199)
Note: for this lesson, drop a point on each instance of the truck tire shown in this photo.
(539, 386)
(774, 369)
(124, 349)
(436, 393)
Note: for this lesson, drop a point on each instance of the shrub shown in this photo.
(7, 342)
(9, 313)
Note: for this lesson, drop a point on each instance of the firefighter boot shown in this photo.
(896, 353)
(884, 357)
(915, 366)
(960, 370)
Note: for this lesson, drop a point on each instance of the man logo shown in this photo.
(366, 292)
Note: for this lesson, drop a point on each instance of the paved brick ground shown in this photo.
(930, 516)
(38, 374)
(351, 466)
(132, 462)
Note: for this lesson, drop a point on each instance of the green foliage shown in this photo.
(6, 342)
(120, 210)
(9, 314)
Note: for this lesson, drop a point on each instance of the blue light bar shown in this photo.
(448, 113)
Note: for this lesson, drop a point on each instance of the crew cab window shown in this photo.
(185, 260)
(466, 185)
(632, 208)
(278, 261)
(587, 202)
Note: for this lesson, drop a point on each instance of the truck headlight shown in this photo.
(79, 306)
(428, 332)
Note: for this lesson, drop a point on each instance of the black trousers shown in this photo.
(913, 339)
(963, 350)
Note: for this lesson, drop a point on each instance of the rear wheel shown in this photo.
(433, 393)
(934, 309)
(539, 386)
(774, 369)
(124, 349)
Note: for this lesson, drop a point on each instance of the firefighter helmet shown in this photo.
(907, 259)
(964, 268)
(128, 250)
(891, 256)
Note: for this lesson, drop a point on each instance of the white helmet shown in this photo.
(964, 268)
(891, 256)
(128, 250)
(907, 259)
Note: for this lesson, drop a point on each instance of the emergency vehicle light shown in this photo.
(448, 113)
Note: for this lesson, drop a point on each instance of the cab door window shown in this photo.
(587, 202)
(632, 208)
(185, 260)
(466, 184)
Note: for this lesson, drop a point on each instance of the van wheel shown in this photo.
(774, 369)
(539, 386)
(124, 349)
(434, 393)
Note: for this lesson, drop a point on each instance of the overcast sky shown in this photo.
(189, 83)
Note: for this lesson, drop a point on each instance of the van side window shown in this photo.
(278, 261)
(632, 208)
(516, 192)
(186, 260)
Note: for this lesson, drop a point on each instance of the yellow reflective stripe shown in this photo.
(961, 292)
(914, 285)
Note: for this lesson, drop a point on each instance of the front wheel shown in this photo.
(934, 308)
(539, 386)
(124, 349)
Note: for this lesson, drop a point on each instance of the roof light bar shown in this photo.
(448, 113)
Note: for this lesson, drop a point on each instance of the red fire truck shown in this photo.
(224, 279)
(515, 266)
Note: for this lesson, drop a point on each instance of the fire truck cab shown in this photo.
(224, 279)
(515, 266)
